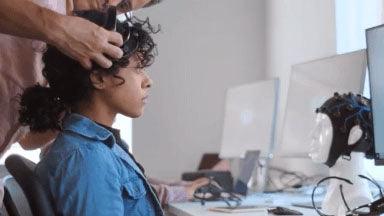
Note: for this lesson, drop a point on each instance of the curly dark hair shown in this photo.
(41, 108)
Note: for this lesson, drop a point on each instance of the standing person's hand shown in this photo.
(86, 42)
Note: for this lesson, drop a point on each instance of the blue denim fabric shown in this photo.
(87, 173)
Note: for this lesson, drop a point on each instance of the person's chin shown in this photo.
(135, 114)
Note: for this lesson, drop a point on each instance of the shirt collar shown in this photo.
(114, 131)
(86, 127)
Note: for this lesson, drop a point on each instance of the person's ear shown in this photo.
(355, 134)
(97, 80)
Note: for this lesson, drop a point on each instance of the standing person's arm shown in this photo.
(122, 5)
(136, 4)
(74, 36)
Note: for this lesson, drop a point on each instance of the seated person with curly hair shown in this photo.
(88, 169)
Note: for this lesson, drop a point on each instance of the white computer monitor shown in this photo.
(311, 84)
(375, 50)
(250, 112)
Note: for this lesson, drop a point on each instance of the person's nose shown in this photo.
(148, 82)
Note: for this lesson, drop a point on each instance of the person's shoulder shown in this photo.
(68, 141)
(71, 149)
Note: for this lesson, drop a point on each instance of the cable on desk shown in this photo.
(318, 184)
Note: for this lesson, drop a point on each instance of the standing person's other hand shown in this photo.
(85, 41)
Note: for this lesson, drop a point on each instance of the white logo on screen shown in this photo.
(246, 117)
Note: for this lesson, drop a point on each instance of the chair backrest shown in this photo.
(15, 201)
(208, 160)
(22, 170)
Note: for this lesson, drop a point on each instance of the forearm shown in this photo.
(169, 194)
(129, 5)
(26, 19)
(181, 192)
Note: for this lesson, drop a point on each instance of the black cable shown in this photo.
(343, 197)
(349, 212)
(373, 181)
(216, 192)
(354, 211)
(233, 197)
(317, 185)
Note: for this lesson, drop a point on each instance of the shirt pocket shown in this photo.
(135, 198)
(134, 189)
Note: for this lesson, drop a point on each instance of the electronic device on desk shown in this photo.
(311, 83)
(225, 178)
(375, 53)
(249, 125)
(249, 119)
(284, 211)
(214, 192)
(247, 166)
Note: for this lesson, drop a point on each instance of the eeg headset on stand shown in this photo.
(346, 111)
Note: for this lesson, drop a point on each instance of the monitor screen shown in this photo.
(311, 84)
(249, 119)
(375, 51)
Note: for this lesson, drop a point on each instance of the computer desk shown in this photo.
(270, 199)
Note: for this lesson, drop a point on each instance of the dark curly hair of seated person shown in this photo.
(42, 108)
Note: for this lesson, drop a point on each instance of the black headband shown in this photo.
(346, 111)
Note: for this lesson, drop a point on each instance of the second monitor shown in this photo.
(310, 85)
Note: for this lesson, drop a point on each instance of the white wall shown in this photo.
(204, 48)
(297, 31)
(352, 18)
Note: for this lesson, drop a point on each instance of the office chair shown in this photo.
(15, 202)
(22, 170)
(208, 160)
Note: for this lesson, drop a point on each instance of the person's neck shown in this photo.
(97, 112)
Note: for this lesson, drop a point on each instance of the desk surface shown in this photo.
(275, 199)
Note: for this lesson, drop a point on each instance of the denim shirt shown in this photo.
(87, 173)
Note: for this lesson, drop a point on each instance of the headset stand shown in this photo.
(356, 194)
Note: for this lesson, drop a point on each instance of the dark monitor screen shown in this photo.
(375, 51)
